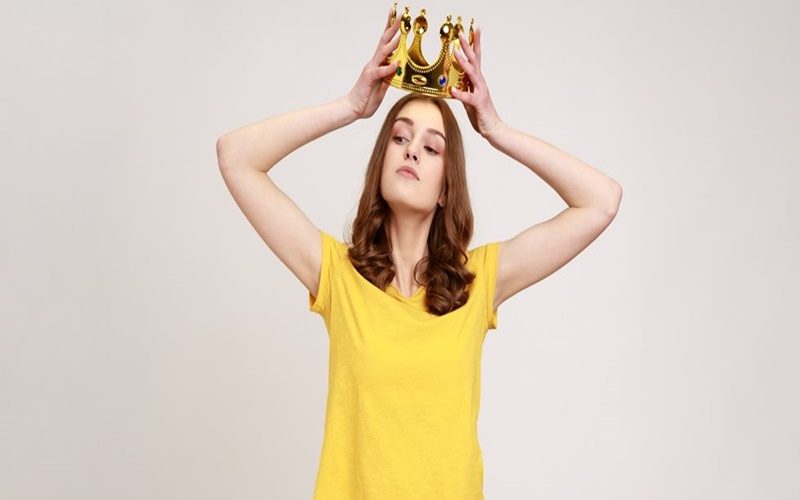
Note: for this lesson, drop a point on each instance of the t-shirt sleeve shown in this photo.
(485, 265)
(490, 279)
(321, 303)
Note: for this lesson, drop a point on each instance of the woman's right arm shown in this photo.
(245, 155)
(261, 145)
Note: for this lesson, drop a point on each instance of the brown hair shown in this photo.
(443, 269)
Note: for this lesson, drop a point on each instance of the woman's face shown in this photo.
(416, 141)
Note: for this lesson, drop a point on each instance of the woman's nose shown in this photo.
(409, 155)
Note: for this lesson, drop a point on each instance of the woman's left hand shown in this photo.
(478, 103)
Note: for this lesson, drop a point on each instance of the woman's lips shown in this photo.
(407, 173)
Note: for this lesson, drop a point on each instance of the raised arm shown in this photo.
(538, 251)
(246, 155)
(592, 197)
(259, 146)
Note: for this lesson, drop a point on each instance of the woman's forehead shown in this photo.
(424, 113)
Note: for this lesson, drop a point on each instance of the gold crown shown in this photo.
(413, 72)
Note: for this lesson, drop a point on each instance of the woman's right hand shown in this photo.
(367, 94)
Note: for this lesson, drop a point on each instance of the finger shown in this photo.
(385, 48)
(463, 96)
(390, 30)
(389, 18)
(467, 47)
(392, 44)
(381, 72)
(464, 62)
(385, 51)
(473, 72)
(477, 47)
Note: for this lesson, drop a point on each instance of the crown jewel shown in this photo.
(413, 72)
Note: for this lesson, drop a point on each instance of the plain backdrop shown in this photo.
(152, 347)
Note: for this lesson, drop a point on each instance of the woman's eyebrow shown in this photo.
(429, 130)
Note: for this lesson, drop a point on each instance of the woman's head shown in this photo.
(411, 136)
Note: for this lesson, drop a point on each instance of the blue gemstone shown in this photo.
(442, 80)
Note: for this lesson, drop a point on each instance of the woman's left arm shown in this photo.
(579, 185)
(592, 197)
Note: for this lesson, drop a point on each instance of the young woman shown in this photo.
(406, 305)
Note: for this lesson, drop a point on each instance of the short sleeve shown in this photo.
(321, 303)
(490, 279)
(485, 259)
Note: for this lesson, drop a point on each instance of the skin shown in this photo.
(413, 202)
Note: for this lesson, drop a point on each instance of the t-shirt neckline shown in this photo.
(401, 296)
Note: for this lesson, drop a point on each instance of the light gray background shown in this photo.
(154, 348)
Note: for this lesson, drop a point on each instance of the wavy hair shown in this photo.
(443, 271)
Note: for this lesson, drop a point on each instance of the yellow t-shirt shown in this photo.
(404, 385)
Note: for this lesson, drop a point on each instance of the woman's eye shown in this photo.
(397, 139)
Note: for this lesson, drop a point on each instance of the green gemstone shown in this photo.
(398, 71)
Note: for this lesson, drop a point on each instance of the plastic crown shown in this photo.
(413, 72)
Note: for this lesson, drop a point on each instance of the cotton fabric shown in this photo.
(404, 385)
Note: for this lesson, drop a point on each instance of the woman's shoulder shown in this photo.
(483, 256)
(332, 240)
